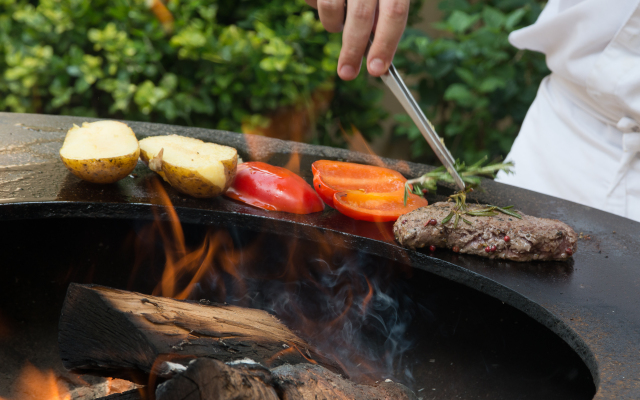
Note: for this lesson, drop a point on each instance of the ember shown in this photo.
(34, 384)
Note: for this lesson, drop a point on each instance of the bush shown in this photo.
(475, 87)
(231, 64)
(223, 63)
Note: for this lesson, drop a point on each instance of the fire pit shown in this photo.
(474, 327)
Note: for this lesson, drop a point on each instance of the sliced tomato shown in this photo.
(331, 177)
(273, 188)
(376, 207)
(325, 191)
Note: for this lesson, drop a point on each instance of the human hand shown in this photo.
(387, 17)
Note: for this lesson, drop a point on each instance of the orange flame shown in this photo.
(293, 164)
(34, 384)
(293, 349)
(231, 272)
(357, 142)
(185, 268)
(367, 299)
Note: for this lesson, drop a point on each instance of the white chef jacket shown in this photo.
(580, 139)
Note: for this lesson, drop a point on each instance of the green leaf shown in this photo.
(514, 18)
(447, 218)
(493, 18)
(460, 93)
(491, 84)
(460, 21)
(467, 76)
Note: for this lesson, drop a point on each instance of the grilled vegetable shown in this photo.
(376, 207)
(100, 152)
(331, 177)
(190, 165)
(363, 192)
(273, 188)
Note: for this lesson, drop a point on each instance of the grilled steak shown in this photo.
(529, 238)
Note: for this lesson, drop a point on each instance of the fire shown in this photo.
(357, 142)
(185, 268)
(318, 287)
(34, 384)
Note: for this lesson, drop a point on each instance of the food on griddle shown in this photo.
(486, 231)
(364, 192)
(273, 188)
(376, 207)
(190, 165)
(100, 152)
(331, 177)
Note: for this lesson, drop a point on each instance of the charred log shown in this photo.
(313, 382)
(207, 379)
(133, 394)
(112, 332)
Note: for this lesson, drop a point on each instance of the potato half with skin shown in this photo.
(190, 165)
(100, 152)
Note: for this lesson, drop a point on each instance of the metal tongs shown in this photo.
(392, 79)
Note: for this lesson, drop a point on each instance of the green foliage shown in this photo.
(225, 62)
(474, 86)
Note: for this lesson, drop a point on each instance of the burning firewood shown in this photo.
(310, 382)
(112, 332)
(207, 379)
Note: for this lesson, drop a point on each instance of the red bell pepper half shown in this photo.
(273, 188)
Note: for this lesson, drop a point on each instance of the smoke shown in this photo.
(347, 304)
(351, 306)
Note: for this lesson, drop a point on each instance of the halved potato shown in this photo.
(100, 152)
(190, 165)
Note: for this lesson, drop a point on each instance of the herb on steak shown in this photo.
(470, 174)
(461, 209)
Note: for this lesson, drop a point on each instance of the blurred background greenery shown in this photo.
(269, 68)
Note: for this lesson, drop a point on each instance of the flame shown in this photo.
(315, 285)
(293, 164)
(293, 349)
(357, 142)
(34, 384)
(184, 267)
(367, 298)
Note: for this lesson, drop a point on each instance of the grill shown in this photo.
(479, 328)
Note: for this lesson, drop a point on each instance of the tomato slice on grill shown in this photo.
(273, 188)
(331, 177)
(376, 207)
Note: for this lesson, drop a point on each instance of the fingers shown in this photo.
(331, 14)
(392, 20)
(361, 15)
(357, 29)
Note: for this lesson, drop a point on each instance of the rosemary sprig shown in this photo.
(460, 210)
(471, 175)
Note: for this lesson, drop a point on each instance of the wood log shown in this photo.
(207, 379)
(313, 382)
(110, 332)
(128, 395)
